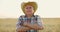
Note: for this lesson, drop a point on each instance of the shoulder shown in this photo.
(37, 16)
(21, 17)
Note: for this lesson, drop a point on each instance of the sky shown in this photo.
(46, 8)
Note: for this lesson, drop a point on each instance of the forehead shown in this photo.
(28, 6)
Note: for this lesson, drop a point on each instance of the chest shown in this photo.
(29, 20)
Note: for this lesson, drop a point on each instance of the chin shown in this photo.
(29, 13)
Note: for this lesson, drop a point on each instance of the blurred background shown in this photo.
(48, 10)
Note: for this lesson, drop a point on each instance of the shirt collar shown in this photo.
(32, 16)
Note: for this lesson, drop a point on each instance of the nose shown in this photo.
(28, 8)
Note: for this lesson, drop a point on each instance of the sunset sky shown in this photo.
(46, 8)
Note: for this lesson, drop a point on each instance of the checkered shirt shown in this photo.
(34, 19)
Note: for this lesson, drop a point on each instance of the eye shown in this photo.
(29, 7)
(26, 7)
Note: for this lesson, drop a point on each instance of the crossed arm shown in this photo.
(23, 29)
(34, 26)
(29, 27)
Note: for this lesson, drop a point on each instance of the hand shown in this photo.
(26, 24)
(36, 27)
(21, 29)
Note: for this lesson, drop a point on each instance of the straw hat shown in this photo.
(33, 4)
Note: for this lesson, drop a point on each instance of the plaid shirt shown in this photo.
(34, 19)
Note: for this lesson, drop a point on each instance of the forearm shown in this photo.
(23, 29)
(35, 26)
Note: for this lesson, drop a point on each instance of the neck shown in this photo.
(29, 16)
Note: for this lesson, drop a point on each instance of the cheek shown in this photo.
(33, 11)
(29, 11)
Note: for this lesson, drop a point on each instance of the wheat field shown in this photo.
(50, 25)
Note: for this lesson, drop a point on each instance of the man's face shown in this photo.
(29, 10)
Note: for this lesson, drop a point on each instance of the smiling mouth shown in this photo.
(28, 11)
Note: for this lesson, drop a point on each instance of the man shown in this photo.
(29, 22)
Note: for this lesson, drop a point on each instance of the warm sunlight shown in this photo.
(46, 8)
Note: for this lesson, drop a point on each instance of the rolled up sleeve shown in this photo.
(18, 23)
(39, 21)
